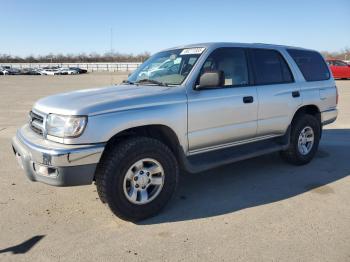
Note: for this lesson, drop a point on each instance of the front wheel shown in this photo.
(137, 177)
(304, 140)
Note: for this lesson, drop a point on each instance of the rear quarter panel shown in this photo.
(320, 93)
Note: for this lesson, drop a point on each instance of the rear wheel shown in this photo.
(304, 140)
(137, 177)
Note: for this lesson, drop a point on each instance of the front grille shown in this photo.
(36, 122)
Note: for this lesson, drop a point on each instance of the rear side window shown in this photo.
(270, 67)
(339, 63)
(311, 64)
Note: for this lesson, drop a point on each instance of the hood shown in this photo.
(108, 99)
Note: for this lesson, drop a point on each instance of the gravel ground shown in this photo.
(257, 210)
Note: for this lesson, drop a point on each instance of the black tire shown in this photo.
(114, 165)
(292, 154)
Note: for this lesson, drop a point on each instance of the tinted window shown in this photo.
(270, 67)
(311, 64)
(339, 63)
(232, 61)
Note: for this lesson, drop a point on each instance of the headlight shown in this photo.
(65, 126)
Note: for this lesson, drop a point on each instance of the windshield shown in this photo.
(168, 67)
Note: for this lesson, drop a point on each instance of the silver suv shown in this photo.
(187, 108)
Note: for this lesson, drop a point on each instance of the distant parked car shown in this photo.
(3, 71)
(13, 71)
(68, 71)
(339, 68)
(31, 71)
(51, 71)
(80, 70)
(7, 70)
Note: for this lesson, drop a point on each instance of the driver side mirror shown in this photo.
(211, 79)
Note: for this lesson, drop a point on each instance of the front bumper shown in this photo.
(53, 163)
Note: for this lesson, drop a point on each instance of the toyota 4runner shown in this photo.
(188, 108)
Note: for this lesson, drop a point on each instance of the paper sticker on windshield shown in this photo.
(192, 51)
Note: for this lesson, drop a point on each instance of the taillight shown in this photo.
(337, 96)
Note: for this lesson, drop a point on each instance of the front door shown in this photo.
(223, 115)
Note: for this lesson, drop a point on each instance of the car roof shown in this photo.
(233, 44)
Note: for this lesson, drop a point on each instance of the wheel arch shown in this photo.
(163, 133)
(310, 109)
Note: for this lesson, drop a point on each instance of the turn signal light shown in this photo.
(44, 170)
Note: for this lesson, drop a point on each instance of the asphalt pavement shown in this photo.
(260, 209)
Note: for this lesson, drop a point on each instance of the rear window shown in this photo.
(270, 67)
(311, 64)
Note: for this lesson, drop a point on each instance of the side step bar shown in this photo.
(201, 162)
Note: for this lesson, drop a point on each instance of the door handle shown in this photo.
(295, 94)
(248, 99)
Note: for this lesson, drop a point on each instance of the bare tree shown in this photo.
(342, 55)
(75, 58)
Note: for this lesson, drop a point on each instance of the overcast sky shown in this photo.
(43, 27)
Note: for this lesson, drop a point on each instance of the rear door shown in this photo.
(278, 94)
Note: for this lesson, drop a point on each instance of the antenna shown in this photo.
(111, 40)
(111, 53)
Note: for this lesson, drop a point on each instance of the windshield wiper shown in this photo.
(151, 81)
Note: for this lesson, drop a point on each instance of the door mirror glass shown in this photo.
(211, 79)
